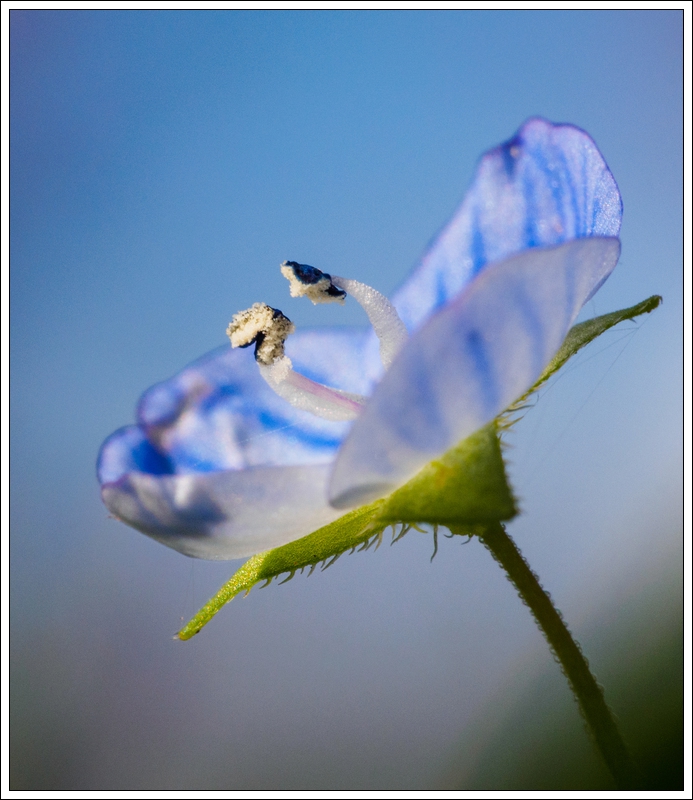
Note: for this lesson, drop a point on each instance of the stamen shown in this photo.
(310, 282)
(268, 328)
(321, 287)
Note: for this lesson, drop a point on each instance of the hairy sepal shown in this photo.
(581, 335)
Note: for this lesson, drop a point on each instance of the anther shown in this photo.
(320, 287)
(265, 327)
(307, 281)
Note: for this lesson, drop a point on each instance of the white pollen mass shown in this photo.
(318, 291)
(263, 325)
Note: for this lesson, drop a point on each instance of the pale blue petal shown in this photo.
(212, 457)
(227, 514)
(219, 414)
(129, 450)
(332, 356)
(467, 364)
(546, 185)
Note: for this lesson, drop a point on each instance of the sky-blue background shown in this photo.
(163, 164)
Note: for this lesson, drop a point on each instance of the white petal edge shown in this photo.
(467, 364)
(224, 515)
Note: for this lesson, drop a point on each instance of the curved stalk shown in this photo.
(587, 691)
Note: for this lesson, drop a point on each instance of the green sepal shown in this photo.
(582, 334)
(467, 486)
(465, 489)
(358, 528)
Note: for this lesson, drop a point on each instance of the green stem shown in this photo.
(575, 667)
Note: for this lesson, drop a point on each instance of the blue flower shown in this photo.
(220, 466)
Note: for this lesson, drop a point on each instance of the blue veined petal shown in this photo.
(218, 413)
(129, 450)
(332, 356)
(211, 466)
(548, 184)
(467, 364)
(225, 514)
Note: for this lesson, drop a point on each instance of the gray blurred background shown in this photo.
(163, 164)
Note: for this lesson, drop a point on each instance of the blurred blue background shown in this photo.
(163, 164)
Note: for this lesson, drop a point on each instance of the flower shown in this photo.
(220, 466)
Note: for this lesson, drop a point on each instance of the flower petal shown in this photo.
(467, 364)
(548, 184)
(227, 514)
(209, 470)
(218, 413)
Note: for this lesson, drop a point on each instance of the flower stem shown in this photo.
(587, 691)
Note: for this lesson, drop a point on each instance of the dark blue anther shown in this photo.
(305, 273)
(310, 275)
